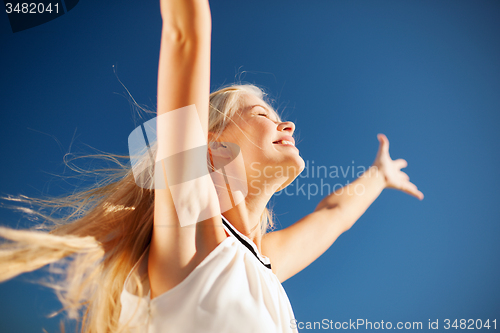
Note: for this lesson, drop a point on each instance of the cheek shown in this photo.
(253, 154)
(253, 137)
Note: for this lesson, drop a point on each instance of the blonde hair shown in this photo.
(108, 227)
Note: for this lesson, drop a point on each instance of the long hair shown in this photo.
(94, 246)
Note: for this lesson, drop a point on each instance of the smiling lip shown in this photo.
(285, 138)
(286, 144)
(286, 141)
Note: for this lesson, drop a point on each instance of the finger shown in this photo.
(401, 163)
(384, 142)
(412, 189)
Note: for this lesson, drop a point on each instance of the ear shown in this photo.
(228, 173)
(217, 148)
(221, 152)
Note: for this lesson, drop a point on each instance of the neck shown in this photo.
(246, 216)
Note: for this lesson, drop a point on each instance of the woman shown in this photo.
(175, 249)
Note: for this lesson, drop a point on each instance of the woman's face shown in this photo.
(256, 130)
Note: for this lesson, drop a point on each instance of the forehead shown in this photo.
(249, 103)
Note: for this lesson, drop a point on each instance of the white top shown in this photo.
(233, 290)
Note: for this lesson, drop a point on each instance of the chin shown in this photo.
(302, 165)
(299, 164)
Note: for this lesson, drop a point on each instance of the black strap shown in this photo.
(243, 241)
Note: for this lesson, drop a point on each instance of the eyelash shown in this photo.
(265, 115)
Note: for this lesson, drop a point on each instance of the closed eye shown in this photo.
(267, 116)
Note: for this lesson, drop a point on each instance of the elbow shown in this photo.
(339, 217)
(325, 205)
(181, 36)
(175, 35)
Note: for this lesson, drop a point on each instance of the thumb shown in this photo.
(384, 143)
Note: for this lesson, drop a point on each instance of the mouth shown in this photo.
(284, 143)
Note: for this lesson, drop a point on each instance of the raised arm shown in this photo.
(184, 66)
(183, 81)
(294, 248)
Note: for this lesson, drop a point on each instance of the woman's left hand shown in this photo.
(391, 170)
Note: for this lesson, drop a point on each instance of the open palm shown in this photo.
(391, 170)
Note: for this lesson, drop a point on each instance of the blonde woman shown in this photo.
(181, 244)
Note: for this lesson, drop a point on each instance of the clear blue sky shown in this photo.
(425, 73)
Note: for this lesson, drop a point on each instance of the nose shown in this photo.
(287, 126)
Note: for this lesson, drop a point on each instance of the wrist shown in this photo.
(378, 174)
(191, 17)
